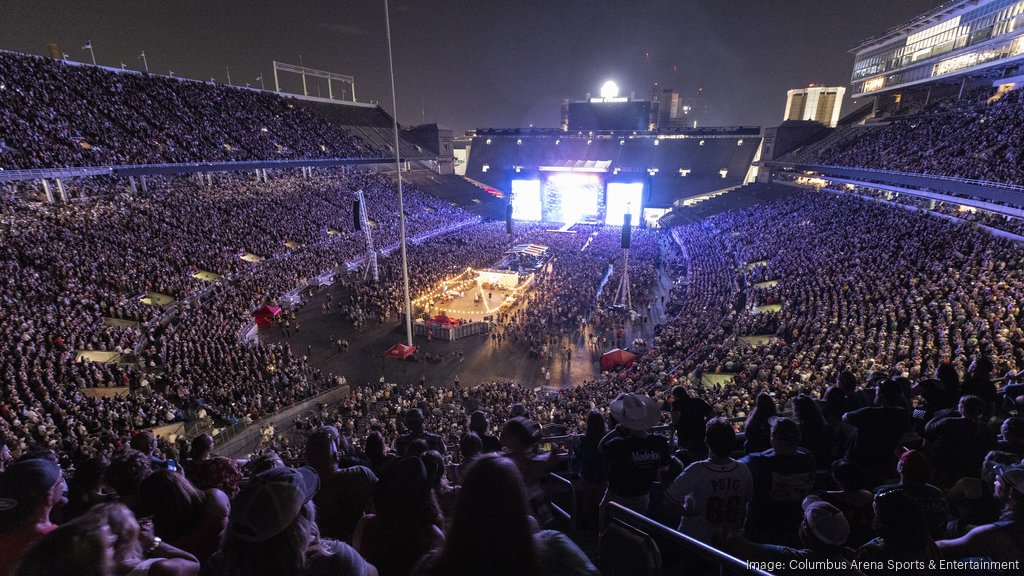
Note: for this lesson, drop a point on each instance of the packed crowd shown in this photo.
(972, 140)
(58, 114)
(73, 278)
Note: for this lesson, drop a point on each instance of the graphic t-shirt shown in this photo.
(634, 463)
(720, 493)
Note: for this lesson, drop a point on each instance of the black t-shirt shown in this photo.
(693, 417)
(433, 441)
(879, 429)
(931, 500)
(781, 482)
(634, 462)
(981, 387)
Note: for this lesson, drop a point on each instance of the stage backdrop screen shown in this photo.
(572, 197)
(623, 197)
(526, 200)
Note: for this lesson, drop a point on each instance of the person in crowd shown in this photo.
(916, 470)
(377, 455)
(186, 517)
(852, 500)
(492, 531)
(958, 443)
(901, 536)
(1003, 539)
(854, 397)
(128, 468)
(414, 423)
(345, 494)
(634, 454)
(783, 476)
(519, 438)
(689, 416)
(29, 491)
(273, 531)
(823, 534)
(758, 429)
(979, 382)
(879, 430)
(1011, 436)
(478, 423)
(84, 547)
(86, 488)
(407, 522)
(815, 434)
(593, 467)
(714, 493)
(137, 551)
(146, 443)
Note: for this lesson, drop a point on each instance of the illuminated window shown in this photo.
(519, 142)
(740, 142)
(874, 84)
(488, 142)
(724, 172)
(685, 171)
(486, 167)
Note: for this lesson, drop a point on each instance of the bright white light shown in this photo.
(572, 197)
(610, 89)
(623, 197)
(526, 200)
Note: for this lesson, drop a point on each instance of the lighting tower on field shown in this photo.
(364, 224)
(623, 298)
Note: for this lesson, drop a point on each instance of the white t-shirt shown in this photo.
(720, 494)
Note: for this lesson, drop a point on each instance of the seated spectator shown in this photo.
(852, 500)
(186, 517)
(783, 476)
(137, 552)
(979, 382)
(915, 471)
(1002, 540)
(414, 423)
(86, 489)
(758, 429)
(492, 532)
(265, 461)
(714, 493)
(815, 434)
(958, 443)
(272, 531)
(902, 536)
(345, 494)
(146, 442)
(823, 534)
(519, 438)
(376, 452)
(878, 433)
(83, 547)
(634, 454)
(29, 490)
(125, 474)
(1011, 436)
(216, 472)
(407, 521)
(478, 423)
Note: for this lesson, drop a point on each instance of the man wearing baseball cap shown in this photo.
(823, 533)
(634, 455)
(29, 490)
(1002, 540)
(915, 471)
(272, 530)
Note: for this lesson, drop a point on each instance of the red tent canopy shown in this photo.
(400, 351)
(616, 357)
(265, 315)
(445, 320)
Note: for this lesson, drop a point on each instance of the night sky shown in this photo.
(482, 63)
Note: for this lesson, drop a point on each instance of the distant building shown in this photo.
(815, 103)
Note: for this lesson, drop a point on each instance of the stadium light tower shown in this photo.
(398, 174)
(610, 89)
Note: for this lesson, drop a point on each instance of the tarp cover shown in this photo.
(617, 357)
(400, 351)
(265, 315)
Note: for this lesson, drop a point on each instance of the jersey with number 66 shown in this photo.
(718, 497)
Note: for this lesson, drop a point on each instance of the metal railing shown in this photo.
(823, 167)
(727, 563)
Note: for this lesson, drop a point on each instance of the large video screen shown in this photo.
(624, 197)
(572, 197)
(526, 203)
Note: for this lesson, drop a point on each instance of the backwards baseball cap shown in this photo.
(1013, 476)
(915, 466)
(23, 486)
(825, 521)
(270, 502)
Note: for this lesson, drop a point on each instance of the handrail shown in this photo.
(570, 516)
(709, 553)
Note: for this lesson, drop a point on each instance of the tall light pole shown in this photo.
(145, 63)
(260, 78)
(304, 93)
(88, 46)
(229, 74)
(398, 173)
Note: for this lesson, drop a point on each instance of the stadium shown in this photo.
(270, 328)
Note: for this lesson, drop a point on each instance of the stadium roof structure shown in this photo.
(597, 166)
(933, 16)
